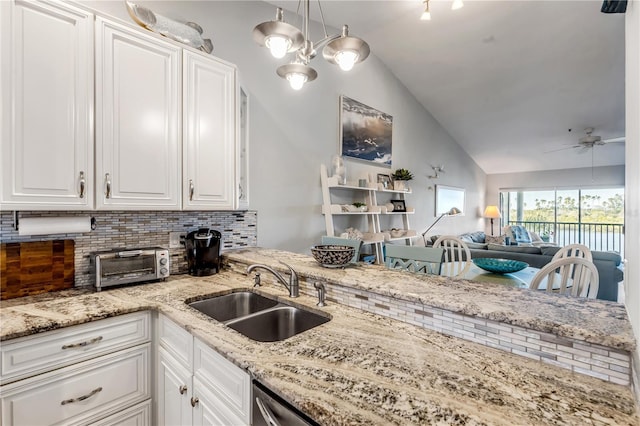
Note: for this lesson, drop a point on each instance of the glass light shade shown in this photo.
(346, 59)
(457, 4)
(296, 80)
(278, 45)
(426, 16)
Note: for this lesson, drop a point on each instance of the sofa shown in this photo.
(608, 264)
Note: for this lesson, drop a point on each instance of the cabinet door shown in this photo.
(47, 98)
(137, 120)
(208, 410)
(209, 134)
(173, 392)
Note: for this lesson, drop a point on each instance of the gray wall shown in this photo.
(292, 133)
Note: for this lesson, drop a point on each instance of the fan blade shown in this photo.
(562, 149)
(615, 140)
(585, 149)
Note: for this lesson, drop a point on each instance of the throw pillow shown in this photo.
(490, 239)
(520, 234)
(535, 237)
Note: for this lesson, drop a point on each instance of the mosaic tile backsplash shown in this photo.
(134, 229)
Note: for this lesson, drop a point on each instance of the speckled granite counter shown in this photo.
(359, 368)
(595, 321)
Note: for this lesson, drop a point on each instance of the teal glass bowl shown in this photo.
(499, 266)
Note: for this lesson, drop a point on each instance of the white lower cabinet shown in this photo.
(174, 387)
(109, 388)
(204, 390)
(138, 415)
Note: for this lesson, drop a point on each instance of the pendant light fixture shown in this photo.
(426, 15)
(282, 38)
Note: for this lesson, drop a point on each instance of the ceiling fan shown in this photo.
(590, 140)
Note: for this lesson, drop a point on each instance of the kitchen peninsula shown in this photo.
(363, 368)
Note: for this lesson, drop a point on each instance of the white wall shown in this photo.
(632, 155)
(292, 133)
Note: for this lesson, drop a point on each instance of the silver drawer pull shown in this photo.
(267, 415)
(83, 344)
(107, 179)
(183, 389)
(81, 398)
(194, 401)
(82, 184)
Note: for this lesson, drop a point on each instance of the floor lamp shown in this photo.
(492, 212)
(453, 212)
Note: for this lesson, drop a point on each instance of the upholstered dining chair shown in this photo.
(421, 260)
(574, 276)
(357, 244)
(574, 250)
(457, 256)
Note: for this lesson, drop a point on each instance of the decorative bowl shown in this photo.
(332, 256)
(500, 266)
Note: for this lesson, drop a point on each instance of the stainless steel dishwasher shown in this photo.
(271, 410)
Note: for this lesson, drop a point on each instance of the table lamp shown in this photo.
(453, 212)
(492, 212)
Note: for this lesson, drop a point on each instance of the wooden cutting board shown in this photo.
(36, 267)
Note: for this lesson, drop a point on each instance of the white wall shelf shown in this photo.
(374, 234)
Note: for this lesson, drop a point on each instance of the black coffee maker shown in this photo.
(203, 251)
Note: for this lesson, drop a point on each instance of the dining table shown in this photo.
(521, 279)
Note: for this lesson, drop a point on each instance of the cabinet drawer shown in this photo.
(228, 382)
(176, 340)
(138, 415)
(31, 355)
(81, 393)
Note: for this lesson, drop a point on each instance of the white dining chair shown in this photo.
(421, 260)
(457, 256)
(573, 250)
(573, 276)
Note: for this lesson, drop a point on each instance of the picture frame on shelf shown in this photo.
(398, 205)
(365, 133)
(385, 180)
(448, 197)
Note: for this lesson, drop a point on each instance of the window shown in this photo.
(594, 217)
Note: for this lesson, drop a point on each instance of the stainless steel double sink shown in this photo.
(257, 317)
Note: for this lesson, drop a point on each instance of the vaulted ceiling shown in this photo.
(509, 80)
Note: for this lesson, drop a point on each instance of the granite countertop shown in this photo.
(595, 321)
(359, 368)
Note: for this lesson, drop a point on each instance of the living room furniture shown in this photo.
(574, 250)
(454, 211)
(335, 196)
(421, 260)
(609, 264)
(457, 256)
(578, 273)
(492, 212)
(519, 279)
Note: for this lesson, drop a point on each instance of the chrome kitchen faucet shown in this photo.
(293, 287)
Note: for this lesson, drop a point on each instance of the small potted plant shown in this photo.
(400, 176)
(361, 207)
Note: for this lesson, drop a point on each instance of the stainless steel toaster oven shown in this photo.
(117, 267)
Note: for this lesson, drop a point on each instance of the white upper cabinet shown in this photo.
(46, 83)
(209, 134)
(138, 106)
